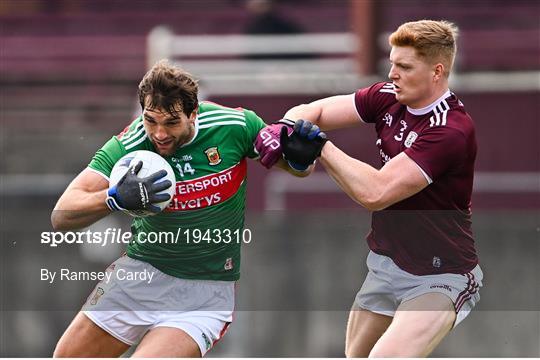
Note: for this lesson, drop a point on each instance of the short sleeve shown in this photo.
(439, 150)
(254, 124)
(372, 102)
(105, 158)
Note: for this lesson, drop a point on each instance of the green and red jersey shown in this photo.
(209, 197)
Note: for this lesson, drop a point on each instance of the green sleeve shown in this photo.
(254, 124)
(105, 158)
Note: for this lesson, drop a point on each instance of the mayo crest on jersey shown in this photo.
(429, 232)
(210, 193)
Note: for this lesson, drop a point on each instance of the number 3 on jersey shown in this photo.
(187, 169)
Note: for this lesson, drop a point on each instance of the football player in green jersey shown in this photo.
(207, 145)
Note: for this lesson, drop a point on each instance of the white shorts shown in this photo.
(387, 286)
(128, 308)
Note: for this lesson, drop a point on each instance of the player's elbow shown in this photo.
(58, 220)
(375, 206)
(61, 221)
(372, 205)
(373, 201)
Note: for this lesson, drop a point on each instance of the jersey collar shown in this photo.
(430, 107)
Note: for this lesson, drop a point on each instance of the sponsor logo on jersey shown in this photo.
(208, 190)
(183, 158)
(228, 264)
(410, 139)
(99, 292)
(436, 262)
(213, 156)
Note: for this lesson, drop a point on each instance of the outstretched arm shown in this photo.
(374, 189)
(330, 113)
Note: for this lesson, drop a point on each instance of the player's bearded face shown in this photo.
(412, 77)
(168, 131)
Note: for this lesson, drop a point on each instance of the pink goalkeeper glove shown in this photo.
(267, 142)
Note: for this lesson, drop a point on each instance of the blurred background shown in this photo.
(69, 71)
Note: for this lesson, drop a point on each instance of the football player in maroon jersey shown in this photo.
(423, 274)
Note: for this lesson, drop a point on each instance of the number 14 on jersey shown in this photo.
(186, 169)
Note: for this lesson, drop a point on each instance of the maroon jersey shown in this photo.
(429, 232)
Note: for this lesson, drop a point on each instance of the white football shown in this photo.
(152, 162)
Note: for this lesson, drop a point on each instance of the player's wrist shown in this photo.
(326, 152)
(327, 147)
(112, 201)
(286, 122)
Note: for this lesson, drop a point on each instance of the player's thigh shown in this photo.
(83, 338)
(364, 328)
(418, 327)
(167, 342)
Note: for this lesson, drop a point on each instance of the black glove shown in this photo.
(133, 193)
(303, 146)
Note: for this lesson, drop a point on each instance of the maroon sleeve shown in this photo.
(439, 150)
(372, 101)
